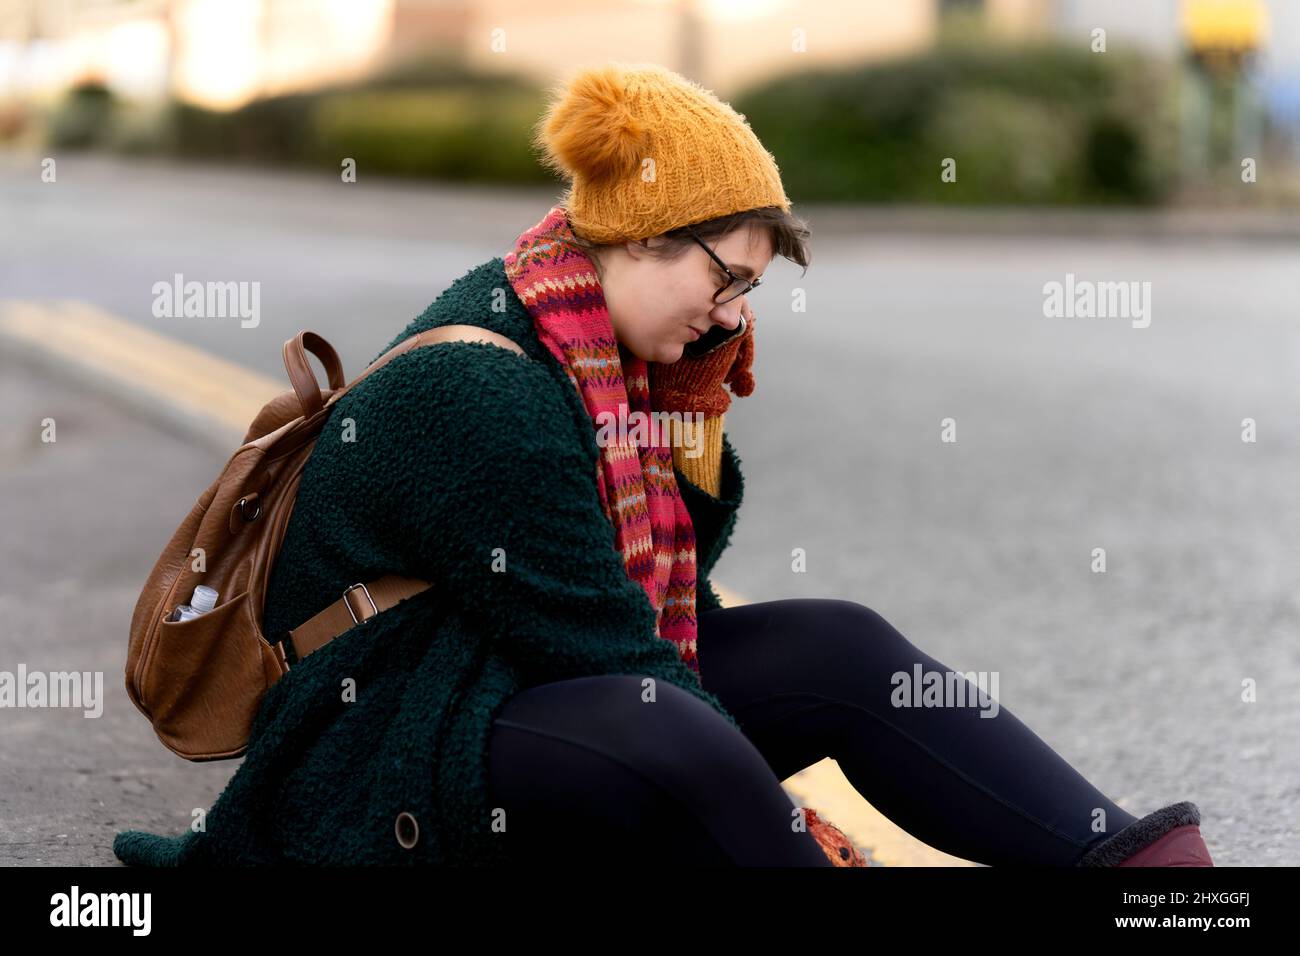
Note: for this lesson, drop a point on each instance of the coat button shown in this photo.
(408, 831)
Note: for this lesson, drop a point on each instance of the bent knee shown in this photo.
(853, 639)
(855, 622)
(853, 612)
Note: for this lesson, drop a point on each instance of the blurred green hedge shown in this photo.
(433, 118)
(85, 118)
(1026, 124)
(454, 133)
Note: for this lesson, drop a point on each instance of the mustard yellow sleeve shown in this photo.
(697, 452)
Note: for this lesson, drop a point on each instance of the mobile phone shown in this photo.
(716, 336)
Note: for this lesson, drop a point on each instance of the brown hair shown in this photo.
(789, 235)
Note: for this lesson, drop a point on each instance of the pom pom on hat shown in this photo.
(589, 132)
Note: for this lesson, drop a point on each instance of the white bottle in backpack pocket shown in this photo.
(203, 600)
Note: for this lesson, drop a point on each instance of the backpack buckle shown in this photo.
(360, 612)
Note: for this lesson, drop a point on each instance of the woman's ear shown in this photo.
(635, 248)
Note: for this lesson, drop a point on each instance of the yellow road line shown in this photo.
(728, 597)
(824, 787)
(166, 370)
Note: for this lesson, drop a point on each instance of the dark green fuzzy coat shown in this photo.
(456, 450)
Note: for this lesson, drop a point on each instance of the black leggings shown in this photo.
(587, 766)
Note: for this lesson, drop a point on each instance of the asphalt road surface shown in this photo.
(1072, 434)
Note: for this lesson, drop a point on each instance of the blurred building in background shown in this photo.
(895, 80)
(224, 52)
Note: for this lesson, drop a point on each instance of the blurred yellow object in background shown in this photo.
(1232, 25)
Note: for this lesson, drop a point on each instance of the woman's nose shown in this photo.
(728, 313)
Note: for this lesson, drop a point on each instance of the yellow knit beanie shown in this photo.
(646, 150)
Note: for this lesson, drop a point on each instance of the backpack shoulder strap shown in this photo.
(359, 603)
(444, 333)
(362, 601)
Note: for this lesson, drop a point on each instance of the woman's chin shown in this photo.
(670, 353)
(665, 353)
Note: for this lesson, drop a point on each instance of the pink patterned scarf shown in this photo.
(558, 286)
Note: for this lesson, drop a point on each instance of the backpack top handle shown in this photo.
(301, 374)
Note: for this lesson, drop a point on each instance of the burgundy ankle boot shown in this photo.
(1171, 836)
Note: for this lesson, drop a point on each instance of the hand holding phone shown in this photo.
(715, 338)
(695, 383)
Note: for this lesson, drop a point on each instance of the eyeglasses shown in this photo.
(736, 285)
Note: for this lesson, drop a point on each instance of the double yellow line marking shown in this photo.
(156, 368)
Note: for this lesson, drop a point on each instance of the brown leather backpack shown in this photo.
(200, 681)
